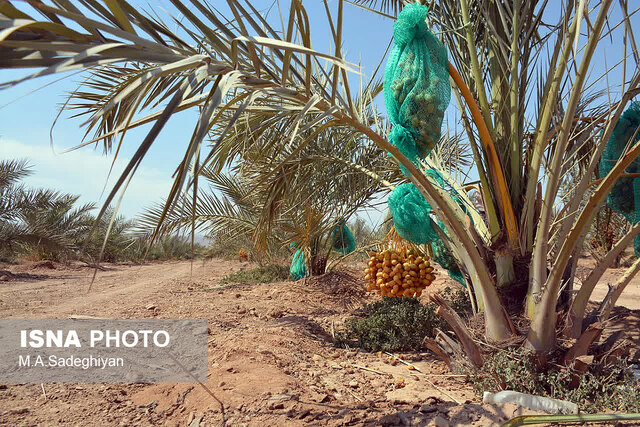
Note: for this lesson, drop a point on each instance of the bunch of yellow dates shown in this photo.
(398, 273)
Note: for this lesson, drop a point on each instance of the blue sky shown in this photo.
(26, 119)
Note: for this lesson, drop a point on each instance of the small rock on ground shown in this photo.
(438, 421)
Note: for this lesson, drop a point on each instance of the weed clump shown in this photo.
(458, 300)
(391, 324)
(399, 324)
(610, 388)
(267, 274)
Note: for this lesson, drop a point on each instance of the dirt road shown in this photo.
(115, 292)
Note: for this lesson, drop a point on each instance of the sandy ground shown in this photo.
(271, 361)
(630, 298)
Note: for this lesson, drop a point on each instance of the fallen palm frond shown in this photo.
(526, 420)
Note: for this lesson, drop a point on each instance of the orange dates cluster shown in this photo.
(398, 273)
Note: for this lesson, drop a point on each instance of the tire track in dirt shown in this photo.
(119, 289)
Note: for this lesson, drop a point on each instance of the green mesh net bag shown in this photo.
(416, 84)
(416, 95)
(342, 238)
(443, 256)
(298, 268)
(410, 213)
(625, 193)
(442, 183)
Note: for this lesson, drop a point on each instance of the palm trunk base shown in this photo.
(505, 273)
(318, 265)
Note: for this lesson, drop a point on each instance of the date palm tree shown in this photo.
(19, 204)
(275, 196)
(53, 224)
(521, 79)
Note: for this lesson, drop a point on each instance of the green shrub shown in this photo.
(391, 324)
(458, 300)
(267, 274)
(610, 389)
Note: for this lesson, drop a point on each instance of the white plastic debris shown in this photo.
(535, 403)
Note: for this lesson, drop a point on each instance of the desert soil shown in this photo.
(271, 360)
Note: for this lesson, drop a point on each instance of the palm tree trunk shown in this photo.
(318, 261)
(542, 332)
(504, 269)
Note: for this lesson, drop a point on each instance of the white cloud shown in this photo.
(84, 172)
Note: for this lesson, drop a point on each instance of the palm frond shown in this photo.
(12, 171)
